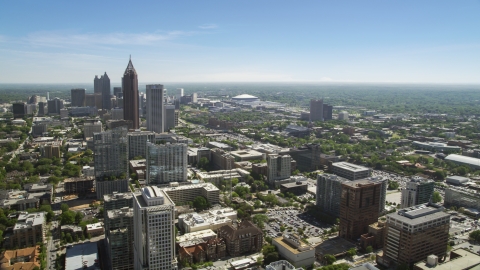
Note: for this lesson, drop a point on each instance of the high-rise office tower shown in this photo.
(329, 193)
(117, 91)
(111, 161)
(54, 106)
(41, 109)
(19, 109)
(154, 236)
(316, 110)
(101, 87)
(327, 112)
(130, 95)
(279, 168)
(155, 108)
(166, 163)
(77, 97)
(359, 207)
(419, 190)
(179, 93)
(106, 99)
(119, 235)
(414, 233)
(170, 116)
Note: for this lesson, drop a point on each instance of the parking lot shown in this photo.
(293, 220)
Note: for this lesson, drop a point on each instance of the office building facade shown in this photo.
(418, 191)
(279, 167)
(155, 108)
(154, 236)
(316, 110)
(130, 95)
(166, 163)
(350, 171)
(77, 97)
(329, 193)
(414, 233)
(54, 106)
(359, 207)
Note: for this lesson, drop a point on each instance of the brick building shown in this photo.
(243, 239)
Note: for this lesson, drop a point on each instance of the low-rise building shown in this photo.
(459, 259)
(292, 248)
(95, 229)
(216, 177)
(79, 185)
(27, 232)
(183, 193)
(281, 265)
(242, 239)
(244, 155)
(24, 259)
(213, 219)
(84, 256)
(297, 188)
(462, 197)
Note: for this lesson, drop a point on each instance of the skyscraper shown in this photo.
(106, 102)
(154, 235)
(166, 163)
(279, 168)
(155, 108)
(111, 161)
(316, 110)
(130, 95)
(77, 97)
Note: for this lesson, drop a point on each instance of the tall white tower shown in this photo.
(179, 93)
(155, 108)
(154, 238)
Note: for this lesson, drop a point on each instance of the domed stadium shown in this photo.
(245, 97)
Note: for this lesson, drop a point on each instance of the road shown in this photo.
(51, 250)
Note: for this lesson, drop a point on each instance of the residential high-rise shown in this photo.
(316, 110)
(329, 193)
(418, 191)
(130, 95)
(77, 97)
(279, 168)
(154, 235)
(166, 163)
(137, 143)
(111, 161)
(117, 91)
(155, 108)
(359, 207)
(119, 235)
(414, 233)
(90, 128)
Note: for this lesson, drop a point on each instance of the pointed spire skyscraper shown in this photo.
(130, 95)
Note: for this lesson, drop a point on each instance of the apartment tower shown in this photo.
(166, 163)
(154, 235)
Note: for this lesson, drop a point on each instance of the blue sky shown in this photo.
(241, 41)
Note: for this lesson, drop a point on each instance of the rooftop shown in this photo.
(195, 235)
(206, 186)
(466, 260)
(349, 166)
(287, 242)
(463, 159)
(82, 256)
(244, 96)
(29, 220)
(418, 214)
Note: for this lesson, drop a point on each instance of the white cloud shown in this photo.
(59, 39)
(326, 79)
(208, 26)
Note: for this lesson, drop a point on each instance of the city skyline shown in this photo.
(373, 41)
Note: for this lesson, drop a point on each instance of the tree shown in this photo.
(200, 203)
(393, 185)
(475, 235)
(352, 252)
(369, 249)
(64, 207)
(78, 217)
(329, 259)
(203, 163)
(436, 197)
(259, 220)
